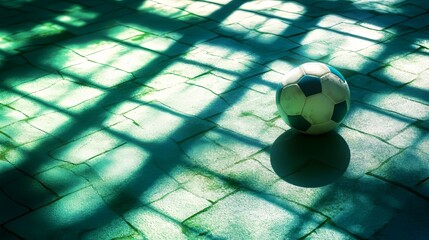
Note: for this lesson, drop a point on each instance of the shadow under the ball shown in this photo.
(310, 161)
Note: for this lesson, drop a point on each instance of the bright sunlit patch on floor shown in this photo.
(70, 20)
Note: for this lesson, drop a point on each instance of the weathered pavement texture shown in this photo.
(157, 120)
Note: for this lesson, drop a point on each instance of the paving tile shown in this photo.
(182, 98)
(62, 181)
(163, 10)
(328, 231)
(354, 62)
(362, 162)
(35, 194)
(234, 31)
(117, 228)
(270, 42)
(10, 116)
(21, 74)
(226, 48)
(85, 148)
(244, 101)
(369, 83)
(89, 43)
(418, 37)
(22, 132)
(27, 87)
(152, 23)
(37, 151)
(61, 95)
(211, 188)
(362, 32)
(259, 216)
(62, 125)
(265, 83)
(411, 221)
(154, 224)
(335, 38)
(331, 20)
(251, 175)
(128, 59)
(376, 122)
(417, 90)
(381, 22)
(315, 50)
(153, 120)
(160, 44)
(293, 7)
(207, 154)
(242, 145)
(182, 68)
(122, 168)
(407, 168)
(54, 58)
(192, 35)
(174, 125)
(411, 62)
(279, 28)
(5, 147)
(393, 76)
(389, 50)
(73, 214)
(180, 205)
(418, 21)
(10, 209)
(214, 83)
(162, 81)
(245, 135)
(398, 103)
(344, 200)
(95, 74)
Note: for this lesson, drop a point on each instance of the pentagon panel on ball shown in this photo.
(313, 98)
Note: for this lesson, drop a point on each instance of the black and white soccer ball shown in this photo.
(313, 98)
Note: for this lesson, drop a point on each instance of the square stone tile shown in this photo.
(85, 148)
(62, 181)
(21, 132)
(354, 62)
(183, 98)
(180, 205)
(407, 168)
(208, 187)
(95, 74)
(207, 154)
(393, 76)
(126, 58)
(10, 209)
(155, 224)
(412, 62)
(54, 58)
(74, 214)
(375, 121)
(35, 194)
(174, 125)
(258, 216)
(399, 103)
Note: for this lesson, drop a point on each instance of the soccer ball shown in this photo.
(313, 98)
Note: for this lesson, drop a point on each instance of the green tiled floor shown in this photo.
(156, 119)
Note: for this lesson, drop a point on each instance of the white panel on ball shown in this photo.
(318, 109)
(335, 88)
(292, 99)
(292, 76)
(315, 69)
